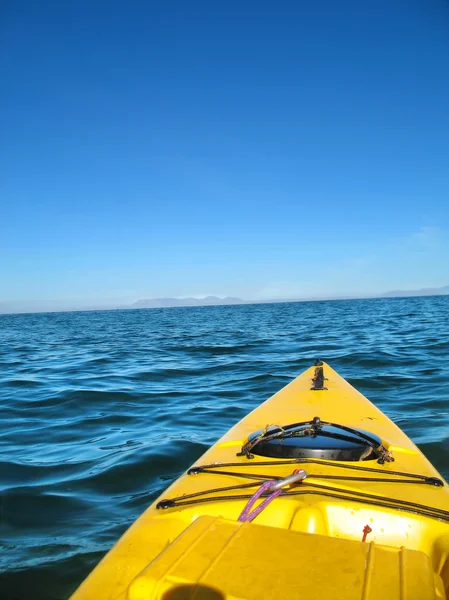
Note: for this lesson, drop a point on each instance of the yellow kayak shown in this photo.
(315, 494)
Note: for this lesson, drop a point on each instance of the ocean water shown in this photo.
(100, 411)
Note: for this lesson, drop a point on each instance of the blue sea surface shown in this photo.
(102, 410)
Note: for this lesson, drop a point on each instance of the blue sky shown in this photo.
(256, 149)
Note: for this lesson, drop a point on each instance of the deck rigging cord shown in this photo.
(315, 488)
(412, 477)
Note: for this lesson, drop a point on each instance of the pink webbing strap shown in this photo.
(246, 515)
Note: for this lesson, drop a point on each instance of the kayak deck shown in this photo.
(399, 509)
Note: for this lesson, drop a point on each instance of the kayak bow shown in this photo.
(315, 494)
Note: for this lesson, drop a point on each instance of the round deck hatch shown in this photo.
(327, 442)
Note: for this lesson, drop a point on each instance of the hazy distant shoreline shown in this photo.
(216, 301)
(173, 302)
(147, 303)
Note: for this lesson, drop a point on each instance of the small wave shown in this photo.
(77, 399)
(19, 383)
(15, 473)
(212, 350)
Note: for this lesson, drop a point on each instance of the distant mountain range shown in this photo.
(171, 302)
(215, 300)
(442, 291)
